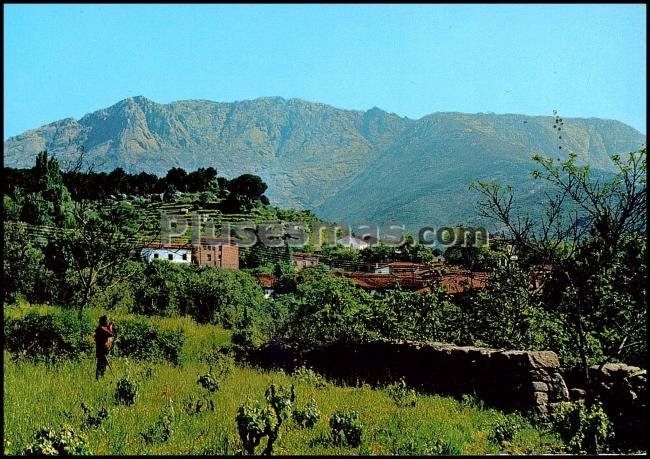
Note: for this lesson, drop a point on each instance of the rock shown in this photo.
(545, 359)
(577, 394)
(540, 386)
(559, 392)
(541, 398)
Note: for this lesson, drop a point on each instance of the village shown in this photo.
(417, 277)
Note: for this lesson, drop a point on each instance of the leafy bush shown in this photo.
(308, 416)
(93, 420)
(208, 382)
(255, 422)
(64, 442)
(159, 288)
(195, 405)
(345, 428)
(141, 340)
(220, 364)
(248, 337)
(505, 428)
(579, 425)
(309, 376)
(161, 431)
(222, 296)
(126, 391)
(402, 395)
(472, 401)
(48, 337)
(327, 309)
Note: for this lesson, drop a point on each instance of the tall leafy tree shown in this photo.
(592, 234)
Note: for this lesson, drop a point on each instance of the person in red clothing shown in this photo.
(104, 335)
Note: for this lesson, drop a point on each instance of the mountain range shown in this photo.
(347, 166)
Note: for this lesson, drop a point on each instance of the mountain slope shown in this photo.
(441, 154)
(345, 164)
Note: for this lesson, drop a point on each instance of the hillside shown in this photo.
(346, 165)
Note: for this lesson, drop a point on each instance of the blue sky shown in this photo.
(583, 60)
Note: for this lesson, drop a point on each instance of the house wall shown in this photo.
(149, 254)
(217, 255)
(301, 263)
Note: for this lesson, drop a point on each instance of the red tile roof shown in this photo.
(452, 283)
(266, 280)
(371, 281)
(460, 282)
(172, 246)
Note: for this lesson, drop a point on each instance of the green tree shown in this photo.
(327, 309)
(46, 200)
(592, 233)
(23, 270)
(221, 296)
(161, 287)
(401, 314)
(244, 193)
(97, 249)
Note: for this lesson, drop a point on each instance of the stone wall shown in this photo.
(623, 391)
(510, 380)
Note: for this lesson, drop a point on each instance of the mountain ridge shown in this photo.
(345, 164)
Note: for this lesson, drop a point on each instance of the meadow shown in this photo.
(37, 394)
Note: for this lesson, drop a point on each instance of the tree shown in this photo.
(418, 253)
(203, 180)
(47, 200)
(22, 260)
(222, 296)
(244, 193)
(98, 247)
(592, 233)
(326, 309)
(176, 177)
(378, 253)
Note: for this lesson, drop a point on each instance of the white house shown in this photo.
(176, 253)
(352, 242)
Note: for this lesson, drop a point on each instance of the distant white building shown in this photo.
(175, 253)
(352, 242)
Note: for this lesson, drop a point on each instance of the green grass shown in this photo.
(37, 396)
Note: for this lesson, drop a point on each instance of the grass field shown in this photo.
(37, 395)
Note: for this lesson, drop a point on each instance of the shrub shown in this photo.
(208, 382)
(255, 422)
(221, 364)
(308, 416)
(48, 337)
(161, 431)
(142, 341)
(579, 425)
(93, 420)
(472, 401)
(327, 310)
(402, 395)
(248, 337)
(126, 391)
(158, 288)
(197, 405)
(309, 376)
(505, 428)
(345, 428)
(64, 442)
(222, 296)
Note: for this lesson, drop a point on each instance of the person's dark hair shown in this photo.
(103, 320)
